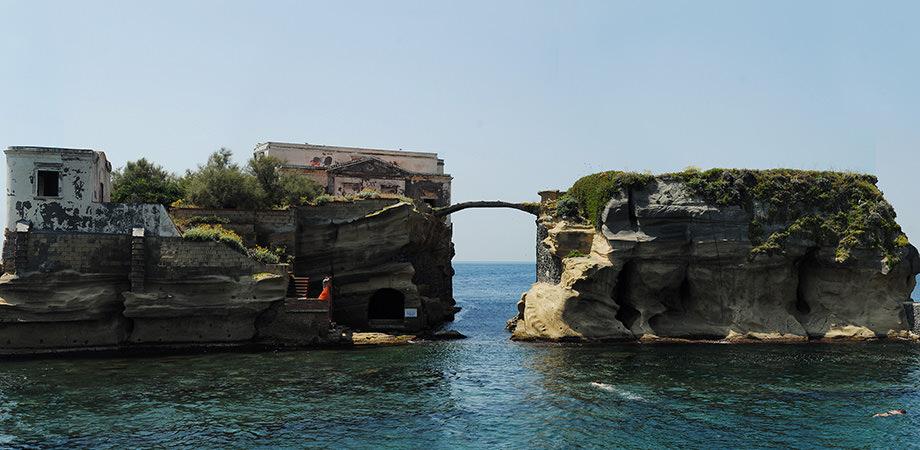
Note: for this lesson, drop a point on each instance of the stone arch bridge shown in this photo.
(532, 208)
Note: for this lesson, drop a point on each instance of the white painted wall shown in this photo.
(85, 186)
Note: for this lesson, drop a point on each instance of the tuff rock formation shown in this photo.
(66, 291)
(733, 255)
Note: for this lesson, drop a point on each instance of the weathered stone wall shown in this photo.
(111, 218)
(83, 252)
(178, 258)
(266, 227)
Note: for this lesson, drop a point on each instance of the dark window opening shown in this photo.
(48, 183)
(101, 192)
(386, 304)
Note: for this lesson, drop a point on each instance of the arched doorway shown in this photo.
(386, 304)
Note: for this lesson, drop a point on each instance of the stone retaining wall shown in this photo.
(181, 258)
(81, 252)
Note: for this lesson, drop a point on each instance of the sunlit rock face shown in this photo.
(666, 262)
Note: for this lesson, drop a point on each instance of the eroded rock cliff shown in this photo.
(67, 291)
(723, 254)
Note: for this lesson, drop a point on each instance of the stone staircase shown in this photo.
(298, 287)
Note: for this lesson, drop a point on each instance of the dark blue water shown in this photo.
(484, 392)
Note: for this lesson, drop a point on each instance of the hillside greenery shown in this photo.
(844, 210)
(142, 181)
(218, 183)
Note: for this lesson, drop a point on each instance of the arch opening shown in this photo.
(386, 304)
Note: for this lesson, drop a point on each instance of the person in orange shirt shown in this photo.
(327, 289)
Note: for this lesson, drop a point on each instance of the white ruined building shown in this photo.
(68, 189)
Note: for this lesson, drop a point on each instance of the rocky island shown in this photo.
(84, 273)
(737, 255)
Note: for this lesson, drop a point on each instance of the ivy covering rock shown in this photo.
(844, 210)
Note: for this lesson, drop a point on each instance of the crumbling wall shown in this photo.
(179, 258)
(84, 253)
(265, 227)
(111, 218)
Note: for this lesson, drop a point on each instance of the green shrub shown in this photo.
(567, 207)
(575, 254)
(192, 221)
(295, 190)
(142, 181)
(323, 199)
(215, 233)
(221, 183)
(594, 191)
(264, 275)
(367, 193)
(263, 255)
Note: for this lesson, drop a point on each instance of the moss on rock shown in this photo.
(592, 192)
(838, 209)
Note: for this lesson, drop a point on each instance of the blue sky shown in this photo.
(517, 96)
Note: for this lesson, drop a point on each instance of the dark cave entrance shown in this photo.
(386, 304)
(626, 314)
(803, 266)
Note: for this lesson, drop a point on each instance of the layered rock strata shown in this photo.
(89, 291)
(664, 260)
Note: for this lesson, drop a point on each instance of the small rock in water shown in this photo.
(447, 335)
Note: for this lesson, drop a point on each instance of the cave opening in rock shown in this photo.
(386, 304)
(683, 293)
(802, 266)
(626, 314)
(631, 210)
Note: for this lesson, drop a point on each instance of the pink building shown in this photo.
(349, 170)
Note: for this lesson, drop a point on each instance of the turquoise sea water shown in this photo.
(483, 392)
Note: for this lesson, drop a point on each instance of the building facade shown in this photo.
(69, 189)
(349, 170)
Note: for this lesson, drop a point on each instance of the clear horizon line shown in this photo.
(495, 261)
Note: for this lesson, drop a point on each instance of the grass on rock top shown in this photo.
(840, 209)
(211, 232)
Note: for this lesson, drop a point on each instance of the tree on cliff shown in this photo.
(221, 183)
(142, 181)
(281, 188)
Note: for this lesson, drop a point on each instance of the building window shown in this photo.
(48, 183)
(101, 192)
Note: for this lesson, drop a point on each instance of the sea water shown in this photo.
(483, 392)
